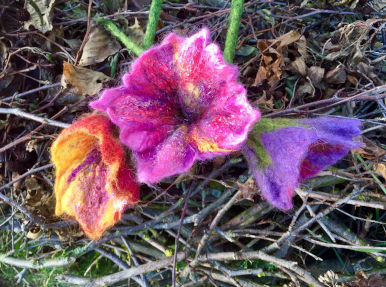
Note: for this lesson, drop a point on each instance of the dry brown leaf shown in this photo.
(352, 80)
(336, 76)
(87, 82)
(381, 168)
(136, 33)
(316, 74)
(306, 88)
(46, 8)
(248, 190)
(100, 44)
(370, 150)
(34, 233)
(263, 101)
(271, 63)
(288, 39)
(302, 47)
(299, 67)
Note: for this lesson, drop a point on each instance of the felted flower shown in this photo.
(181, 102)
(283, 152)
(93, 183)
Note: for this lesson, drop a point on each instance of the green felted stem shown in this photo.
(155, 11)
(129, 44)
(233, 28)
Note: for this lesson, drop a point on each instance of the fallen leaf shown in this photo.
(302, 47)
(336, 76)
(42, 22)
(299, 67)
(74, 44)
(86, 81)
(288, 38)
(381, 168)
(271, 63)
(306, 88)
(100, 44)
(136, 33)
(316, 74)
(352, 80)
(248, 189)
(370, 150)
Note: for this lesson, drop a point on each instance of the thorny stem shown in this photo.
(233, 28)
(155, 11)
(129, 44)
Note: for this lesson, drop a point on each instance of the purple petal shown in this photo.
(298, 153)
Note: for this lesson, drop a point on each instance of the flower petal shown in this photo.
(297, 153)
(175, 155)
(203, 72)
(93, 182)
(225, 125)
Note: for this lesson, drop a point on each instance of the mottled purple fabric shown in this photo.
(180, 102)
(300, 152)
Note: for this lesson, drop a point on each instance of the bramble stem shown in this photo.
(233, 28)
(129, 44)
(155, 11)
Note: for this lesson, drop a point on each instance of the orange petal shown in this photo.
(93, 182)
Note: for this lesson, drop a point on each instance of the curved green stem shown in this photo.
(233, 28)
(129, 44)
(155, 11)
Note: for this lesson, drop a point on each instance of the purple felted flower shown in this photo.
(180, 102)
(284, 152)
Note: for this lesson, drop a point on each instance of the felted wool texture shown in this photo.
(93, 183)
(181, 102)
(297, 150)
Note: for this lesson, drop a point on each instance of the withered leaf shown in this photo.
(316, 74)
(299, 67)
(100, 44)
(43, 24)
(336, 76)
(136, 33)
(248, 190)
(381, 168)
(370, 150)
(352, 80)
(86, 81)
(289, 38)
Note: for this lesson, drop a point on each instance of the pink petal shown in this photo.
(226, 123)
(175, 155)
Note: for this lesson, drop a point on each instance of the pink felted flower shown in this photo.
(180, 102)
(283, 152)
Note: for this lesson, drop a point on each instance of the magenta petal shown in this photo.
(227, 121)
(298, 153)
(175, 155)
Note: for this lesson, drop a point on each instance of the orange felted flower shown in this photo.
(94, 183)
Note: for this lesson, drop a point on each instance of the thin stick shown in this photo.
(20, 113)
(86, 35)
(178, 235)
